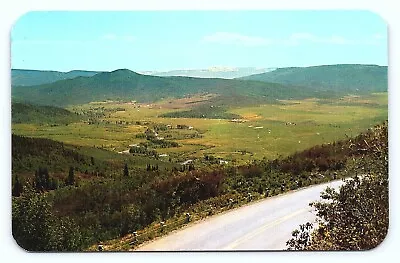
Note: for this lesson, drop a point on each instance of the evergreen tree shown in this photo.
(17, 187)
(37, 182)
(71, 176)
(46, 177)
(42, 179)
(53, 184)
(126, 171)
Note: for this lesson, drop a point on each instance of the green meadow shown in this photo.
(263, 131)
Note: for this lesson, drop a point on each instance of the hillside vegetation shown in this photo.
(29, 154)
(351, 78)
(356, 217)
(110, 207)
(24, 77)
(127, 85)
(29, 113)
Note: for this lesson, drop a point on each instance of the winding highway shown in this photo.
(262, 225)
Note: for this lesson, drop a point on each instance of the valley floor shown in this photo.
(264, 131)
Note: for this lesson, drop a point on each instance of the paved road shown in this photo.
(264, 225)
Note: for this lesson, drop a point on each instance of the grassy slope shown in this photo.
(28, 154)
(324, 81)
(354, 78)
(29, 113)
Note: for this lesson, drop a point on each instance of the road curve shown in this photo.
(263, 225)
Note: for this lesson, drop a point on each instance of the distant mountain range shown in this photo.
(126, 85)
(343, 77)
(25, 77)
(283, 83)
(212, 72)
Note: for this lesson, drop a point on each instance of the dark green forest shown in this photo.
(24, 77)
(30, 113)
(346, 77)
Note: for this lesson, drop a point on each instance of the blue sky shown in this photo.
(168, 40)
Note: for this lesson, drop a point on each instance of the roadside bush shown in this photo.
(357, 216)
(36, 228)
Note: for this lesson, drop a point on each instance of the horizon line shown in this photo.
(164, 71)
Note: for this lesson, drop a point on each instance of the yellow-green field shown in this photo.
(267, 130)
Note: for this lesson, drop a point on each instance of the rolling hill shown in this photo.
(284, 83)
(29, 113)
(30, 153)
(127, 85)
(344, 77)
(24, 77)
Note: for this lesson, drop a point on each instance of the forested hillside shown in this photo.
(24, 77)
(30, 113)
(351, 78)
(127, 85)
(31, 153)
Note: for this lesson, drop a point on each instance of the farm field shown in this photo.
(263, 131)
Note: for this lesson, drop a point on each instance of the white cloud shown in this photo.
(74, 42)
(302, 36)
(109, 37)
(378, 36)
(292, 40)
(129, 38)
(338, 40)
(236, 39)
(106, 37)
(113, 37)
(51, 42)
(299, 38)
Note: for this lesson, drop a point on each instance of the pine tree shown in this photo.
(42, 179)
(126, 171)
(17, 187)
(71, 177)
(37, 183)
(46, 178)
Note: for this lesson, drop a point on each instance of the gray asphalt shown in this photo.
(262, 225)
